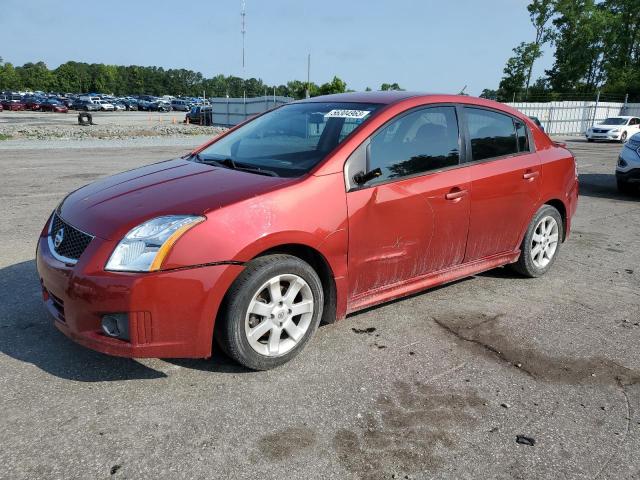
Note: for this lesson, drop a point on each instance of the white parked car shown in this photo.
(105, 106)
(628, 166)
(614, 128)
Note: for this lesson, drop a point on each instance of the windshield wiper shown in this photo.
(230, 164)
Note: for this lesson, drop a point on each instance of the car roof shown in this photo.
(621, 116)
(386, 97)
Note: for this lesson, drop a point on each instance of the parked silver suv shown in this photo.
(628, 166)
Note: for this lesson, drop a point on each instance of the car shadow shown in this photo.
(603, 185)
(27, 334)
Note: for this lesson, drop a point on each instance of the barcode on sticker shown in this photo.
(357, 114)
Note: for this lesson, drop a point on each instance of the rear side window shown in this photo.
(424, 140)
(492, 134)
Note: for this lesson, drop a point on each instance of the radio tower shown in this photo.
(243, 31)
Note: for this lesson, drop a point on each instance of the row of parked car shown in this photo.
(62, 103)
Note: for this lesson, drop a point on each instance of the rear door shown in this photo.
(505, 181)
(413, 218)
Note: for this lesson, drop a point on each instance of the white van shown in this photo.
(180, 105)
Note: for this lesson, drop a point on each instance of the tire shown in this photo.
(623, 137)
(590, 140)
(546, 241)
(269, 319)
(624, 187)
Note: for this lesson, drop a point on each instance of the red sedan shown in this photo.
(53, 106)
(304, 214)
(13, 105)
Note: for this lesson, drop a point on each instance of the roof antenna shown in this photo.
(462, 91)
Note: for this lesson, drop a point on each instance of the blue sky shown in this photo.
(425, 45)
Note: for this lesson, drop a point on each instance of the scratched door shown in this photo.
(406, 229)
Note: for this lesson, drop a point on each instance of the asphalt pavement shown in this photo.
(494, 376)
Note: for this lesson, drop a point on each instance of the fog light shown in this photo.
(116, 325)
(621, 162)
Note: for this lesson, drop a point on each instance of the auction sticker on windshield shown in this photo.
(347, 114)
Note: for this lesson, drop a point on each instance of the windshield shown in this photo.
(615, 121)
(290, 140)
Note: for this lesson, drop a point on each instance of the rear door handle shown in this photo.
(455, 194)
(530, 175)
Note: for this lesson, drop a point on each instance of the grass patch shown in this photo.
(5, 137)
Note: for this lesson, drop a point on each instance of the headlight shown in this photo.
(145, 247)
(615, 130)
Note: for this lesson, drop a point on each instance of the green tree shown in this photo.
(489, 94)
(336, 85)
(8, 78)
(390, 86)
(35, 76)
(516, 70)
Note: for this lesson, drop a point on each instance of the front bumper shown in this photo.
(630, 176)
(603, 136)
(170, 313)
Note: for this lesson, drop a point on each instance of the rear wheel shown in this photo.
(270, 312)
(541, 243)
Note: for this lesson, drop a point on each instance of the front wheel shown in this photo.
(623, 137)
(541, 243)
(270, 312)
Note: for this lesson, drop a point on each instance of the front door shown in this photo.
(413, 218)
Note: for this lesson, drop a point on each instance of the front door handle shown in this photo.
(455, 194)
(530, 175)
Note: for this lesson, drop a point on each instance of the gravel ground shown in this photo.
(108, 125)
(438, 385)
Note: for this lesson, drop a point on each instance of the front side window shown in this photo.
(290, 140)
(492, 134)
(424, 140)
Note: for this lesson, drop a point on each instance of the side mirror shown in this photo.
(361, 177)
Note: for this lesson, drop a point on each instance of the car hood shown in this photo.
(110, 207)
(607, 127)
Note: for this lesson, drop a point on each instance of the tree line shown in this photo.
(596, 48)
(75, 77)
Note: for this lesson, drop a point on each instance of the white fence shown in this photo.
(232, 111)
(571, 118)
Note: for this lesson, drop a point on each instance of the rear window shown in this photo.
(492, 134)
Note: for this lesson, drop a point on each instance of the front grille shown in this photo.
(73, 241)
(599, 131)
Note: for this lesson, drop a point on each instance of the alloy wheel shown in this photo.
(544, 242)
(279, 315)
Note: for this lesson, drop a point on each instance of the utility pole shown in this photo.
(308, 75)
(595, 110)
(243, 30)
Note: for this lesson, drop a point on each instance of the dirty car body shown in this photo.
(398, 193)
